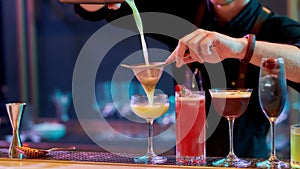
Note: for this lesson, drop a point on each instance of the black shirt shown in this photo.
(252, 127)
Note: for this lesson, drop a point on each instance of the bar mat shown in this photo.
(106, 157)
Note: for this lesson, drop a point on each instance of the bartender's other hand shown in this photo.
(115, 6)
(96, 7)
(206, 46)
(92, 7)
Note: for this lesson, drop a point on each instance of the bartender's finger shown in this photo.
(171, 58)
(195, 56)
(180, 52)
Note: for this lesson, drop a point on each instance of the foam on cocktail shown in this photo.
(230, 104)
(184, 94)
(231, 94)
(191, 98)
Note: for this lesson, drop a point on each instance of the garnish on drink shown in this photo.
(270, 64)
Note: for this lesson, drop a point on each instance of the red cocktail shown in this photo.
(190, 128)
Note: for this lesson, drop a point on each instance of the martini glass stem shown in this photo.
(231, 155)
(150, 151)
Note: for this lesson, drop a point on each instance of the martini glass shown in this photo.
(140, 105)
(231, 104)
(272, 96)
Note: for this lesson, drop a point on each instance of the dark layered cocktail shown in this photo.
(231, 104)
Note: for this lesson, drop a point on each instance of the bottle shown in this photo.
(91, 1)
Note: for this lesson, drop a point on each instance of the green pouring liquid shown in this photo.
(139, 24)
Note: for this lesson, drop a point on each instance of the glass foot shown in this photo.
(153, 159)
(272, 164)
(236, 162)
(190, 160)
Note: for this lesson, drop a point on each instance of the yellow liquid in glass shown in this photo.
(150, 111)
(295, 150)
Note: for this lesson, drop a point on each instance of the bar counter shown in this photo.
(78, 159)
(89, 155)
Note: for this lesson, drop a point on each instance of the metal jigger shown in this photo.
(15, 112)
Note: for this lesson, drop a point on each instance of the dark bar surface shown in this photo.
(117, 158)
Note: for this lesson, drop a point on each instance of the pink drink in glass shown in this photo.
(190, 128)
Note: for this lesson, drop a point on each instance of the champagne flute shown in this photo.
(272, 97)
(231, 104)
(140, 105)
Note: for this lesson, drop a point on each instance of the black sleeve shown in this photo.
(174, 7)
(294, 85)
(104, 13)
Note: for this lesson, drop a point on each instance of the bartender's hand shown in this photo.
(96, 7)
(114, 6)
(206, 46)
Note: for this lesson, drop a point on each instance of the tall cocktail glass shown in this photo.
(231, 104)
(272, 96)
(295, 145)
(140, 105)
(190, 128)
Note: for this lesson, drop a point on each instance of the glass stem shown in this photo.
(230, 124)
(150, 136)
(273, 151)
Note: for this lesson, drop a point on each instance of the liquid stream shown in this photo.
(139, 24)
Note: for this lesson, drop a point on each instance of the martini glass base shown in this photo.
(234, 162)
(150, 159)
(272, 164)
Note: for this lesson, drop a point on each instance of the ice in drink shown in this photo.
(190, 128)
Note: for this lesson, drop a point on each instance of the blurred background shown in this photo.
(39, 44)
